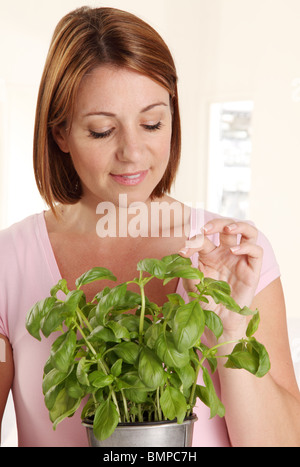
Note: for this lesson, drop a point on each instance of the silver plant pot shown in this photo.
(148, 434)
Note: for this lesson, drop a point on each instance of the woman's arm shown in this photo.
(266, 411)
(259, 412)
(6, 373)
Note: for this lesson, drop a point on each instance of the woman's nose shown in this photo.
(130, 146)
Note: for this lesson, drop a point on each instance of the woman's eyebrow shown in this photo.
(110, 114)
(150, 107)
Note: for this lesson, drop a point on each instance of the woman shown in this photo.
(107, 133)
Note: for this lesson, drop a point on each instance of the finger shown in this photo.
(253, 252)
(247, 232)
(198, 244)
(243, 231)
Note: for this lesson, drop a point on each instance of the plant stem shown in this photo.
(83, 318)
(125, 406)
(143, 306)
(86, 341)
(192, 396)
(103, 367)
(158, 404)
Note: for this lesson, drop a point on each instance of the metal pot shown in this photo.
(147, 434)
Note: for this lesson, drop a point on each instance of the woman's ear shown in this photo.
(61, 138)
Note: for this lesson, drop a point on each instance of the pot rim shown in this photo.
(88, 422)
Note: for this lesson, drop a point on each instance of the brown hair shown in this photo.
(83, 40)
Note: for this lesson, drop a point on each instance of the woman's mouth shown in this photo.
(130, 179)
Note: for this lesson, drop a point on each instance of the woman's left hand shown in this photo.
(238, 264)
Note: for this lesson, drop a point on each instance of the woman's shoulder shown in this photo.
(19, 235)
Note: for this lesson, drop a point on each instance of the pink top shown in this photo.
(28, 270)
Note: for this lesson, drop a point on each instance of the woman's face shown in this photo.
(120, 135)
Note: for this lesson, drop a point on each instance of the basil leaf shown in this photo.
(212, 400)
(128, 351)
(94, 274)
(253, 325)
(105, 421)
(155, 267)
(64, 407)
(62, 351)
(150, 369)
(213, 322)
(188, 325)
(173, 404)
(36, 315)
(168, 352)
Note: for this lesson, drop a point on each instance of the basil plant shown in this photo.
(131, 360)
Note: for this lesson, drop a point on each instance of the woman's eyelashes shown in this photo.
(106, 134)
(157, 126)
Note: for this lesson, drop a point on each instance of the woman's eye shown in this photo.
(105, 134)
(157, 126)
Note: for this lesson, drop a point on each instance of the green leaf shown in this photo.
(53, 378)
(106, 420)
(73, 299)
(188, 325)
(203, 394)
(117, 368)
(168, 352)
(154, 267)
(186, 375)
(128, 351)
(186, 272)
(243, 358)
(82, 371)
(175, 299)
(104, 334)
(73, 387)
(137, 391)
(65, 406)
(119, 331)
(61, 285)
(53, 319)
(172, 261)
(212, 400)
(36, 314)
(173, 404)
(113, 298)
(51, 396)
(93, 275)
(98, 379)
(213, 322)
(253, 325)
(263, 356)
(150, 369)
(152, 333)
(62, 351)
(130, 322)
(213, 284)
(219, 296)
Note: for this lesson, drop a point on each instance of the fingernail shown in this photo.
(231, 227)
(207, 228)
(184, 251)
(234, 249)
